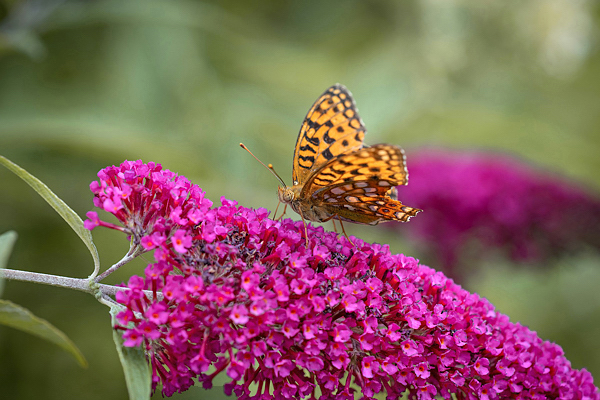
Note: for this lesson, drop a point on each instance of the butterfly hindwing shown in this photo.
(360, 186)
(360, 208)
(331, 128)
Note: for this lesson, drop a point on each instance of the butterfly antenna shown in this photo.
(269, 167)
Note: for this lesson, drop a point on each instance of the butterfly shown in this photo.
(336, 176)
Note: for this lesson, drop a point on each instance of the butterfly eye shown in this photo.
(285, 194)
(288, 195)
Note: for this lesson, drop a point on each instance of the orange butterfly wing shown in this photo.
(360, 186)
(332, 127)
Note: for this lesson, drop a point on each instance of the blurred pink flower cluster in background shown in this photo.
(478, 203)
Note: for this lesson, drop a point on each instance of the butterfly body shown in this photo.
(311, 212)
(336, 176)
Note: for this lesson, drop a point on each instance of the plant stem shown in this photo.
(81, 284)
(133, 252)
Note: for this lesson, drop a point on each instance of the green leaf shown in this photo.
(7, 241)
(135, 366)
(70, 216)
(21, 318)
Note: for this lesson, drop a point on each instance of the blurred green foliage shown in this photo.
(85, 84)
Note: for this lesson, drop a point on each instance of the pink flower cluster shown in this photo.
(154, 205)
(250, 299)
(476, 201)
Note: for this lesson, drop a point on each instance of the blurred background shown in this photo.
(86, 84)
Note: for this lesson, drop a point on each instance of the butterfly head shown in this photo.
(286, 194)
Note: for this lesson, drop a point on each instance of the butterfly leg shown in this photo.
(332, 218)
(345, 234)
(282, 214)
(305, 228)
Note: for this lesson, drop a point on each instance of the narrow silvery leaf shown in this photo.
(135, 365)
(21, 318)
(60, 206)
(7, 241)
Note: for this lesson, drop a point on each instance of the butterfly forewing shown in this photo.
(331, 128)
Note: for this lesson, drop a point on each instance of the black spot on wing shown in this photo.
(323, 182)
(327, 154)
(310, 159)
(327, 139)
(327, 174)
(307, 148)
(313, 140)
